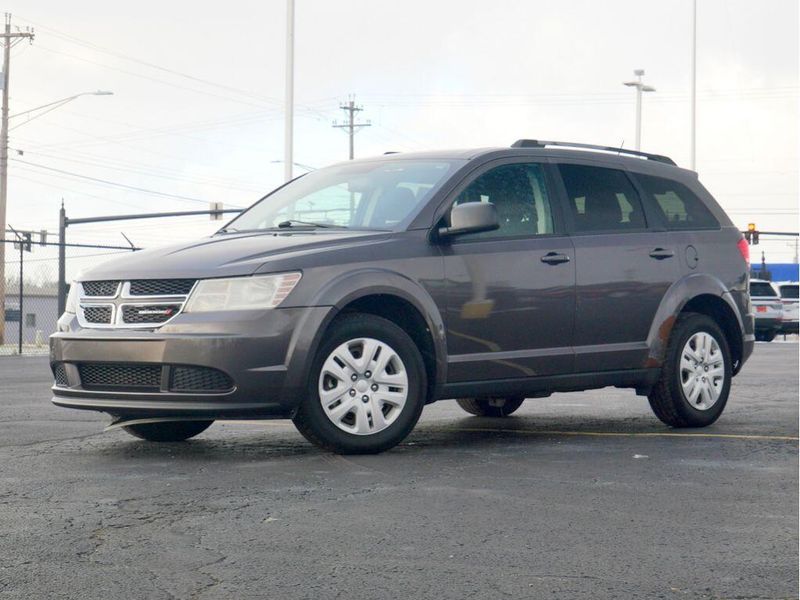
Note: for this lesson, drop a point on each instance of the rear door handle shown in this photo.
(661, 253)
(554, 258)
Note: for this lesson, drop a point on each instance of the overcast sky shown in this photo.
(198, 87)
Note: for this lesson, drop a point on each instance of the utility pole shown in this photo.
(640, 87)
(350, 125)
(9, 39)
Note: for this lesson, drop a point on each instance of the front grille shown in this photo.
(60, 375)
(97, 314)
(161, 287)
(199, 379)
(100, 288)
(151, 313)
(107, 376)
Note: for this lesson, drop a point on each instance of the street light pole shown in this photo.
(640, 87)
(288, 140)
(693, 137)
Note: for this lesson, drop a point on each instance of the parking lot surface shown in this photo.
(582, 495)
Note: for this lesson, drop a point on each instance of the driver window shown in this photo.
(519, 193)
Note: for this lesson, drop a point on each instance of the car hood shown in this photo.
(224, 255)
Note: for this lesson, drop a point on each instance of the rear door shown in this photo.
(623, 267)
(510, 292)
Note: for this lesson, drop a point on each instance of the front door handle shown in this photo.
(554, 258)
(661, 253)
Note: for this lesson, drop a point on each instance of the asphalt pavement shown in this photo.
(582, 495)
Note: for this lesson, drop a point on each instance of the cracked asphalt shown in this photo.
(582, 495)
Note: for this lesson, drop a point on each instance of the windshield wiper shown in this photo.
(293, 222)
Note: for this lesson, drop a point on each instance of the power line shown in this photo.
(94, 163)
(91, 45)
(113, 183)
(161, 81)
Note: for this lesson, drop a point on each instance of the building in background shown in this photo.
(38, 318)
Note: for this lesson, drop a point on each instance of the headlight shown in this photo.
(241, 293)
(72, 299)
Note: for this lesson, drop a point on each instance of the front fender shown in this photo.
(341, 291)
(675, 299)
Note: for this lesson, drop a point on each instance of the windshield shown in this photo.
(360, 195)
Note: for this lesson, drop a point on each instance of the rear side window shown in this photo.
(762, 288)
(789, 292)
(601, 199)
(681, 207)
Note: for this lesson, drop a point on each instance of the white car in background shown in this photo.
(768, 309)
(791, 306)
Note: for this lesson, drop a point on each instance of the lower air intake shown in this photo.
(120, 377)
(199, 379)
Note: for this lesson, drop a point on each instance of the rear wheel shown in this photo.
(367, 387)
(768, 336)
(172, 431)
(696, 377)
(490, 407)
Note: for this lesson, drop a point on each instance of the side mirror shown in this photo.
(471, 217)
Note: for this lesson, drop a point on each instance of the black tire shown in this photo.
(310, 418)
(490, 407)
(171, 431)
(760, 335)
(768, 336)
(667, 398)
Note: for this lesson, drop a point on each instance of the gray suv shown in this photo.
(353, 296)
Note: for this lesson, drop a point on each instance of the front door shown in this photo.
(511, 292)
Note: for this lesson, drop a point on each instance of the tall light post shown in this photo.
(4, 129)
(288, 132)
(640, 87)
(693, 144)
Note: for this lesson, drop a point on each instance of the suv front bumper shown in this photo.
(265, 355)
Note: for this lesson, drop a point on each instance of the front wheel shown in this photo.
(490, 407)
(696, 377)
(367, 387)
(171, 431)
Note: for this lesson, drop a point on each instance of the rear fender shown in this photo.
(676, 298)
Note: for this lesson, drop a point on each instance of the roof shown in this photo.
(618, 157)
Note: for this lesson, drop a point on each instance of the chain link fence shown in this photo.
(30, 298)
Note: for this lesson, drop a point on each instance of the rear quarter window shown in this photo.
(789, 292)
(679, 205)
(760, 288)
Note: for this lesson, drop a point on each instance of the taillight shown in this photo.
(744, 249)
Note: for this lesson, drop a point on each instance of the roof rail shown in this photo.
(543, 143)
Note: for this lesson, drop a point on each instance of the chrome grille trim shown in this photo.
(123, 300)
